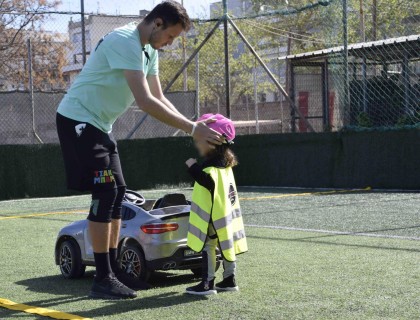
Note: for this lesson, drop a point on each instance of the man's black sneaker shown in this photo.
(111, 288)
(131, 282)
(228, 284)
(204, 288)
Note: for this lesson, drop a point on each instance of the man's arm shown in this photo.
(156, 90)
(157, 109)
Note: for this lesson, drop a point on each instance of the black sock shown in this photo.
(113, 257)
(103, 266)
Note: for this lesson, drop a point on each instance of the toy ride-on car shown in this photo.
(153, 237)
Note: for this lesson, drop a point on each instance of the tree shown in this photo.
(324, 22)
(212, 67)
(22, 20)
(312, 28)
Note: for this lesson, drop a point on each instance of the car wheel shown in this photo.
(198, 272)
(133, 263)
(70, 260)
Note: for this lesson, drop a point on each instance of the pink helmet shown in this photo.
(222, 125)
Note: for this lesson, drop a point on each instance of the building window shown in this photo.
(77, 37)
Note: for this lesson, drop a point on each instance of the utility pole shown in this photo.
(346, 61)
(362, 22)
(288, 81)
(184, 58)
(374, 20)
(31, 89)
(197, 84)
(289, 48)
(227, 67)
(257, 125)
(82, 23)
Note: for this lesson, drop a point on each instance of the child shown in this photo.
(215, 218)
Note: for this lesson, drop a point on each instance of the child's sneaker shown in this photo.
(228, 284)
(204, 288)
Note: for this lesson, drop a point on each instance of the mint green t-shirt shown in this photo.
(100, 93)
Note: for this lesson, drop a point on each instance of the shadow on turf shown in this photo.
(69, 291)
(57, 285)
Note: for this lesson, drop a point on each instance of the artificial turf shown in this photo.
(285, 275)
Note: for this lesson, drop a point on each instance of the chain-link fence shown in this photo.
(294, 66)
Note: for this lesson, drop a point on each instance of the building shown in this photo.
(96, 26)
(269, 53)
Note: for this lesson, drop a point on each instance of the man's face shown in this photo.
(161, 37)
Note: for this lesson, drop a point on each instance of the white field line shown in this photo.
(344, 233)
(330, 189)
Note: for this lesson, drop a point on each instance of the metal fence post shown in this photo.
(31, 89)
(346, 94)
(292, 98)
(406, 84)
(257, 125)
(197, 85)
(227, 66)
(184, 58)
(82, 24)
(364, 84)
(325, 97)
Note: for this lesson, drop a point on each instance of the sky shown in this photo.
(195, 8)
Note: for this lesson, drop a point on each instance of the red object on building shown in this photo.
(303, 105)
(331, 100)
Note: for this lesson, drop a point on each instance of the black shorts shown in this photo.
(91, 158)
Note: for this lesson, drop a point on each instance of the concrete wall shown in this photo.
(16, 117)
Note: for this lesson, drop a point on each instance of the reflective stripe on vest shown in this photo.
(197, 232)
(225, 221)
(200, 212)
(228, 244)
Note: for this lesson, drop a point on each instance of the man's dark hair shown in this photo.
(172, 13)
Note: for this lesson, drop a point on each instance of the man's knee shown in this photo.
(102, 206)
(116, 212)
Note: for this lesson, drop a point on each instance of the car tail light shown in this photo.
(156, 228)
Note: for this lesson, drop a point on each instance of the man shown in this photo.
(122, 68)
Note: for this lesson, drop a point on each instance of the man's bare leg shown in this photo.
(113, 244)
(115, 233)
(100, 236)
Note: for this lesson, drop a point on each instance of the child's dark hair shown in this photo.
(225, 153)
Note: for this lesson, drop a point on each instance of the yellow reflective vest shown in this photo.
(222, 209)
